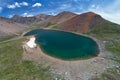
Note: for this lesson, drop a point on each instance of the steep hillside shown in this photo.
(8, 26)
(82, 23)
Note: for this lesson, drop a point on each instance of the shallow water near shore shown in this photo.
(65, 45)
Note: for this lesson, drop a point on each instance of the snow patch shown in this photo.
(31, 43)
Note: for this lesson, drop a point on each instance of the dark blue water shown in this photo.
(65, 45)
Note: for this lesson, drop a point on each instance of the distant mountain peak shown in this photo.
(90, 12)
(30, 20)
(66, 13)
(61, 17)
(16, 16)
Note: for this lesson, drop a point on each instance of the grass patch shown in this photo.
(49, 24)
(12, 67)
(114, 47)
(4, 38)
(40, 25)
(106, 31)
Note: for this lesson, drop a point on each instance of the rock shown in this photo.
(117, 66)
(118, 71)
(107, 67)
(66, 73)
(56, 78)
(104, 41)
(102, 58)
(95, 60)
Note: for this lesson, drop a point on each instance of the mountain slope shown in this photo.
(106, 31)
(8, 26)
(30, 20)
(82, 23)
(61, 17)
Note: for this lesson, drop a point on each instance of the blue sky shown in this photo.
(109, 9)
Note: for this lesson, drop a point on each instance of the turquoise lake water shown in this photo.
(65, 45)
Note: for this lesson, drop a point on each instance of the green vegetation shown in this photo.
(55, 26)
(114, 47)
(49, 24)
(4, 38)
(110, 33)
(12, 67)
(106, 30)
(35, 25)
(40, 25)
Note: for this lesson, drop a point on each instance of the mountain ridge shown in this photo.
(67, 21)
(30, 20)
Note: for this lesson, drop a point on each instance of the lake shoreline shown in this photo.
(73, 70)
(62, 45)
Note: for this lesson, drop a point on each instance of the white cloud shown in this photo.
(11, 6)
(1, 9)
(10, 16)
(52, 13)
(93, 6)
(27, 15)
(16, 4)
(113, 17)
(37, 5)
(24, 3)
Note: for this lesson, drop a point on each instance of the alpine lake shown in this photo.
(65, 45)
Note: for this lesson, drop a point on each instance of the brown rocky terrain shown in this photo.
(82, 23)
(8, 26)
(17, 23)
(61, 17)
